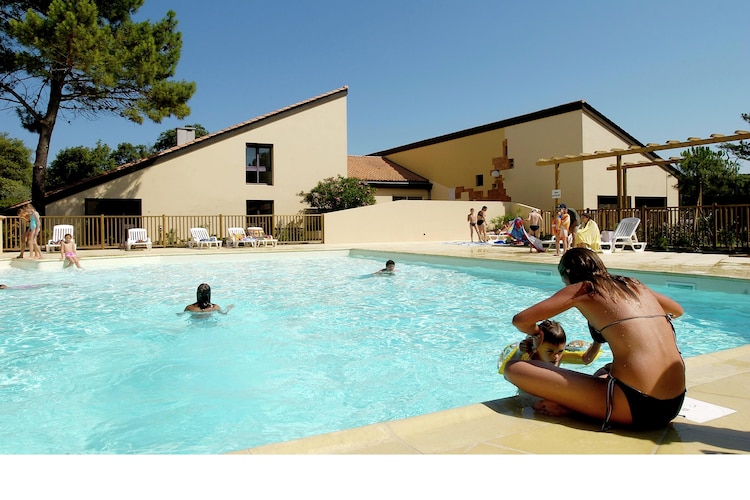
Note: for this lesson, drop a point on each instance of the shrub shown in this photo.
(331, 195)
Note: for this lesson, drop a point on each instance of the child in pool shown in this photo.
(551, 346)
(68, 251)
(390, 268)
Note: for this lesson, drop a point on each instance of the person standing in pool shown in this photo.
(203, 302)
(644, 386)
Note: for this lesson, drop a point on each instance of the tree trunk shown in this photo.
(45, 126)
(40, 170)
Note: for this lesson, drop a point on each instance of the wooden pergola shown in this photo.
(621, 168)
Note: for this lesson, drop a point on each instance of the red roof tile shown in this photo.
(377, 168)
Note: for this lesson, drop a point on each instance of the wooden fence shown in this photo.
(695, 228)
(106, 231)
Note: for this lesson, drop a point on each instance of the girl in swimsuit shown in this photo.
(644, 386)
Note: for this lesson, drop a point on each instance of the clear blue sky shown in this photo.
(416, 69)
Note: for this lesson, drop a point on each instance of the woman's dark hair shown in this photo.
(552, 332)
(581, 264)
(203, 296)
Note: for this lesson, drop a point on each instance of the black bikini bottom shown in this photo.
(647, 412)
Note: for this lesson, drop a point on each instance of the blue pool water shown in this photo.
(101, 361)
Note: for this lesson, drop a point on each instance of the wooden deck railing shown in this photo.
(706, 228)
(106, 231)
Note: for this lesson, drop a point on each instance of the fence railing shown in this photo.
(107, 231)
(707, 227)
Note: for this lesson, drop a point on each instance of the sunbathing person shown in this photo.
(588, 234)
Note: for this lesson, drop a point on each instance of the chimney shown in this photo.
(185, 134)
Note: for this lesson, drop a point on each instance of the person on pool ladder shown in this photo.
(644, 386)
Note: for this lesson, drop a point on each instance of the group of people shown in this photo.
(644, 385)
(30, 238)
(478, 224)
(569, 229)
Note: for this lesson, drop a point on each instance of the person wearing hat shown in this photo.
(588, 234)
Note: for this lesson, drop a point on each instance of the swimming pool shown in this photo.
(100, 361)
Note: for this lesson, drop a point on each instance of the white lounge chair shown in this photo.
(200, 238)
(624, 236)
(237, 237)
(262, 238)
(58, 234)
(137, 237)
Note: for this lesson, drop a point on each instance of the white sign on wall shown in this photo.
(556, 193)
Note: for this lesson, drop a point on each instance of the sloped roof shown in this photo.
(537, 115)
(379, 169)
(128, 168)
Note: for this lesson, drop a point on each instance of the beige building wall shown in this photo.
(457, 162)
(454, 163)
(528, 142)
(644, 181)
(308, 146)
(386, 194)
(410, 220)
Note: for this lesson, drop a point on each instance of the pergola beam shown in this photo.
(645, 163)
(738, 135)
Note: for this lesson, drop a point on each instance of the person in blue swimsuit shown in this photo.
(644, 386)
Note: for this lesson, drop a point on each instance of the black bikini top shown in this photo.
(597, 336)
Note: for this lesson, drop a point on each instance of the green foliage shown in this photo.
(501, 220)
(341, 193)
(742, 149)
(15, 171)
(706, 176)
(86, 57)
(128, 153)
(78, 163)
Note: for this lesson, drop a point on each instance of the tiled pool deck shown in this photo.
(509, 426)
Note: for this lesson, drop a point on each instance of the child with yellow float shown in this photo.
(549, 345)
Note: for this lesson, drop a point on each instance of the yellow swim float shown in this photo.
(573, 354)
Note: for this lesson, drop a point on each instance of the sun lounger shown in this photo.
(237, 237)
(58, 234)
(137, 237)
(624, 236)
(261, 236)
(200, 238)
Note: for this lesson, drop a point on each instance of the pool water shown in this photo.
(103, 361)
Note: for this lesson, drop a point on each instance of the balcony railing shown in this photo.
(106, 231)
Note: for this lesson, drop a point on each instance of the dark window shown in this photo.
(259, 207)
(258, 164)
(112, 206)
(480, 180)
(650, 201)
(606, 201)
(396, 198)
(115, 230)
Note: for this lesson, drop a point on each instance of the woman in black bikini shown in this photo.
(644, 386)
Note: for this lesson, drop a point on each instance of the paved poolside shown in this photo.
(509, 425)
